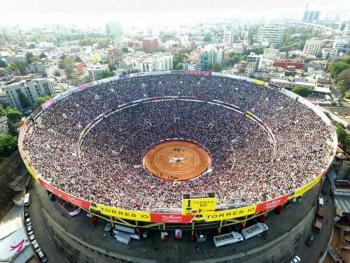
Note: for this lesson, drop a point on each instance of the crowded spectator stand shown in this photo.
(267, 146)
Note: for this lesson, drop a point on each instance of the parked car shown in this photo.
(310, 241)
(27, 199)
(35, 245)
(51, 196)
(42, 257)
(296, 259)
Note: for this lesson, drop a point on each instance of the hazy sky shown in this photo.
(141, 12)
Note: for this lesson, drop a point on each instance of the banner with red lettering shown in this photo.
(271, 204)
(198, 72)
(69, 198)
(86, 85)
(48, 103)
(171, 218)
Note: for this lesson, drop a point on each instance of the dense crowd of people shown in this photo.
(104, 165)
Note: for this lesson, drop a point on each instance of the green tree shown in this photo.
(343, 81)
(21, 67)
(13, 114)
(13, 128)
(107, 74)
(3, 64)
(216, 67)
(337, 67)
(179, 66)
(41, 100)
(341, 133)
(125, 50)
(256, 50)
(233, 59)
(347, 143)
(8, 144)
(23, 99)
(29, 57)
(57, 73)
(347, 94)
(103, 43)
(301, 91)
(11, 67)
(42, 55)
(86, 41)
(207, 38)
(178, 59)
(2, 111)
(78, 59)
(111, 67)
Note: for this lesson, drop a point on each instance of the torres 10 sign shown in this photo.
(198, 205)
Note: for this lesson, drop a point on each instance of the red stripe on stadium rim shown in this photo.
(171, 218)
(69, 198)
(271, 204)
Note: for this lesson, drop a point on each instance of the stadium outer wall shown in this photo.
(164, 219)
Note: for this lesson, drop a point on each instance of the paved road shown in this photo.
(312, 254)
(41, 232)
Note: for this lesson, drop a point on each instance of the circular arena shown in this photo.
(195, 145)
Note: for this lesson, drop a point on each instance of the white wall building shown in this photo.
(313, 47)
(227, 39)
(270, 53)
(340, 43)
(31, 89)
(271, 34)
(147, 62)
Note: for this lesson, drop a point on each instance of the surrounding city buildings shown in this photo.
(24, 91)
(313, 47)
(270, 34)
(145, 62)
(150, 45)
(270, 53)
(311, 16)
(95, 72)
(228, 38)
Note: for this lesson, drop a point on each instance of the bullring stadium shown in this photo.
(180, 149)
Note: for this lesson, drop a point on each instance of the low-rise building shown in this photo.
(289, 83)
(270, 53)
(289, 63)
(95, 72)
(144, 62)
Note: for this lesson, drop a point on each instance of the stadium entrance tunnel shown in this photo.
(177, 160)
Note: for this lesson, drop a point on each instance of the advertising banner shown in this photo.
(261, 83)
(271, 204)
(198, 72)
(121, 213)
(198, 205)
(86, 85)
(47, 104)
(307, 187)
(229, 214)
(69, 198)
(171, 218)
